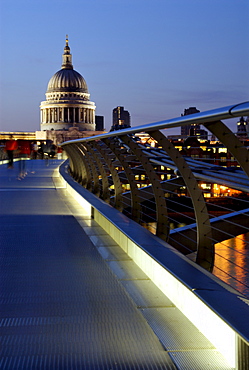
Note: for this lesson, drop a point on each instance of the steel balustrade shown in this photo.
(103, 163)
(135, 198)
(233, 144)
(108, 156)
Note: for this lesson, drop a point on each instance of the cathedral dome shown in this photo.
(67, 80)
(67, 99)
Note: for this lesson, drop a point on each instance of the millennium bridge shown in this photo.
(129, 254)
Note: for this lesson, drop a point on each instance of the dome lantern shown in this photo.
(67, 57)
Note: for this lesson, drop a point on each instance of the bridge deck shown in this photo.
(70, 299)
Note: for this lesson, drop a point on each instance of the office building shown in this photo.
(120, 119)
(193, 129)
(99, 123)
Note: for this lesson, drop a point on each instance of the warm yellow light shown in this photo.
(222, 150)
(205, 186)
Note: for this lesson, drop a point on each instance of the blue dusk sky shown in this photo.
(155, 58)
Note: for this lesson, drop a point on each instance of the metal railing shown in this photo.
(188, 196)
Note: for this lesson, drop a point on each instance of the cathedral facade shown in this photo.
(67, 105)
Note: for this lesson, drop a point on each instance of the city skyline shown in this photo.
(156, 59)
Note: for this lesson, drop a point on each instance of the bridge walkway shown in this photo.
(71, 298)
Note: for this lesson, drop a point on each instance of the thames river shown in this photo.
(232, 256)
(231, 260)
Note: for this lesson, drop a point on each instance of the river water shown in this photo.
(231, 260)
(232, 263)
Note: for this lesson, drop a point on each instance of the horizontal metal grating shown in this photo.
(62, 307)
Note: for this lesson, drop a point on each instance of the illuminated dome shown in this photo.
(67, 99)
(67, 80)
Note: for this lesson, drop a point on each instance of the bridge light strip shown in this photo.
(207, 321)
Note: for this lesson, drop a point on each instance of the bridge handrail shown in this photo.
(100, 162)
(231, 111)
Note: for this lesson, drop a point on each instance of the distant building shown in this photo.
(242, 128)
(99, 123)
(120, 119)
(16, 135)
(67, 100)
(186, 130)
(193, 129)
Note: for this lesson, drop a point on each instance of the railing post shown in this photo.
(161, 209)
(93, 176)
(104, 193)
(205, 248)
(114, 174)
(75, 163)
(233, 144)
(135, 198)
(84, 167)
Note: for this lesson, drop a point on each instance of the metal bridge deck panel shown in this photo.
(61, 306)
(187, 346)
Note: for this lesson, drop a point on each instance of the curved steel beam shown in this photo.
(233, 144)
(105, 193)
(114, 174)
(75, 163)
(71, 159)
(161, 209)
(205, 248)
(135, 198)
(86, 178)
(93, 174)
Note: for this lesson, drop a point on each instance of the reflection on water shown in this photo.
(231, 259)
(232, 262)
